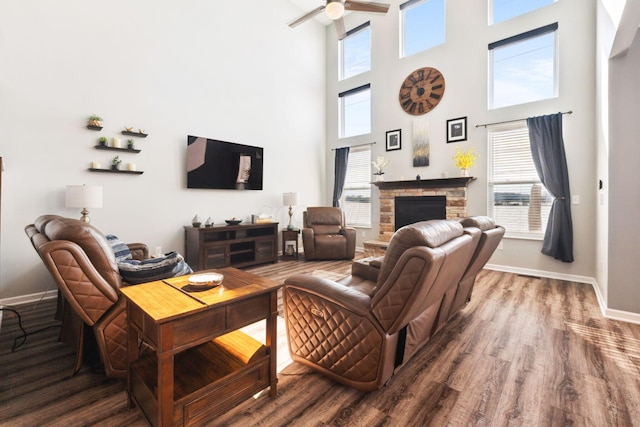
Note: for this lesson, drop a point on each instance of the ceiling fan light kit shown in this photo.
(335, 9)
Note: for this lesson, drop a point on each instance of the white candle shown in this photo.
(131, 166)
(115, 142)
(95, 165)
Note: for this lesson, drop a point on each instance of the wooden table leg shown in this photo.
(271, 341)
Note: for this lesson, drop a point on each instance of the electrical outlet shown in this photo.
(158, 251)
(363, 233)
(575, 200)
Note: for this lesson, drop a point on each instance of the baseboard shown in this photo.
(625, 316)
(26, 299)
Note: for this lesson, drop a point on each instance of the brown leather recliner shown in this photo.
(84, 266)
(325, 235)
(491, 235)
(358, 331)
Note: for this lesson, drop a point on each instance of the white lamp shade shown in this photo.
(334, 9)
(83, 196)
(290, 199)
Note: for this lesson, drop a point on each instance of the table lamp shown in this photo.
(83, 196)
(290, 199)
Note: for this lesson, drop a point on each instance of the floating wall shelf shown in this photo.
(106, 147)
(140, 134)
(116, 171)
(94, 127)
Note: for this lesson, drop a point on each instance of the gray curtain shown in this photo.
(547, 149)
(339, 174)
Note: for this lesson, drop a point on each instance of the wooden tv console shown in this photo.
(239, 245)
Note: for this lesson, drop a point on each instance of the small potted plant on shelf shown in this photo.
(95, 121)
(130, 144)
(115, 163)
(103, 141)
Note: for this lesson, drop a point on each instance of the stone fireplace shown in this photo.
(453, 189)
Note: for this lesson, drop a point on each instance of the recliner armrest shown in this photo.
(351, 299)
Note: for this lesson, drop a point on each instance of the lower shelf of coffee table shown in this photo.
(208, 379)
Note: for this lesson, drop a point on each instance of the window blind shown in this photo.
(356, 195)
(517, 198)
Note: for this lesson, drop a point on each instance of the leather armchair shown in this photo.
(359, 331)
(325, 235)
(84, 266)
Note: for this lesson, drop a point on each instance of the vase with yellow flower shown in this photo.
(465, 160)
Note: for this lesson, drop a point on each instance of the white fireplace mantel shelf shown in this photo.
(456, 182)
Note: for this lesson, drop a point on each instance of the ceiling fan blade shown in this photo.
(306, 17)
(366, 6)
(339, 24)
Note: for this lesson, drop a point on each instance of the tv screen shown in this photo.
(223, 165)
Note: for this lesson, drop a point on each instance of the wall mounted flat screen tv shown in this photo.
(223, 165)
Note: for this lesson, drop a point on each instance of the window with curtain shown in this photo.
(422, 24)
(355, 51)
(523, 68)
(517, 199)
(356, 196)
(355, 111)
(501, 10)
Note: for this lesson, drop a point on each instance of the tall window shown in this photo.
(355, 111)
(355, 52)
(422, 24)
(524, 68)
(356, 195)
(517, 198)
(501, 10)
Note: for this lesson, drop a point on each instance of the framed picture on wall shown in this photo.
(457, 129)
(394, 141)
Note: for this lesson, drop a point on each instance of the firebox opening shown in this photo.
(419, 208)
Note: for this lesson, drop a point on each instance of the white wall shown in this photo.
(624, 197)
(463, 62)
(229, 70)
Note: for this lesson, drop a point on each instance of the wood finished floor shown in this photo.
(524, 352)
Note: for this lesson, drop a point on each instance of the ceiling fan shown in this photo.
(334, 9)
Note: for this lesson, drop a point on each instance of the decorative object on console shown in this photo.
(115, 163)
(290, 199)
(208, 222)
(233, 221)
(261, 218)
(465, 160)
(83, 196)
(394, 141)
(421, 142)
(457, 129)
(196, 221)
(421, 91)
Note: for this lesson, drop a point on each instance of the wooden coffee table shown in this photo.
(199, 364)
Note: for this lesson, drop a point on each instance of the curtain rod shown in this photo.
(357, 145)
(511, 121)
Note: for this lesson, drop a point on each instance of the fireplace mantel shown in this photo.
(456, 182)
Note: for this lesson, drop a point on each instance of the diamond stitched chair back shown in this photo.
(358, 331)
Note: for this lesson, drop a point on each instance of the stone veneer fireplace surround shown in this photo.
(455, 190)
